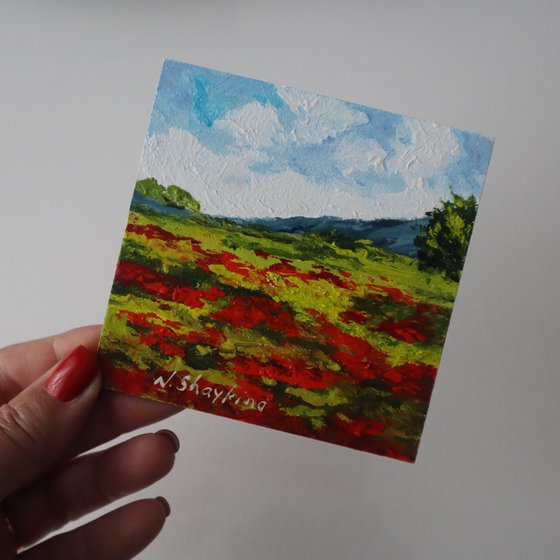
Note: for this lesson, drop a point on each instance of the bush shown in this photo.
(172, 195)
(442, 243)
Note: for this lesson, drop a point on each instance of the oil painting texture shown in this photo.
(291, 260)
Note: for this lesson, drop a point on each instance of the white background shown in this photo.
(77, 82)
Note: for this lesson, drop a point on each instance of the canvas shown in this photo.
(291, 260)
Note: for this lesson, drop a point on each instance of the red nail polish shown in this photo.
(72, 375)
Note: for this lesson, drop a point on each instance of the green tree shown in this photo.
(171, 196)
(442, 243)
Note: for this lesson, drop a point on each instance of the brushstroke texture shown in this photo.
(333, 342)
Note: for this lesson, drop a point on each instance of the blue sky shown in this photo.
(248, 148)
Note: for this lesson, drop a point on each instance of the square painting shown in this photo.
(291, 260)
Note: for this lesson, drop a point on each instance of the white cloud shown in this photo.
(413, 202)
(317, 116)
(225, 185)
(179, 158)
(360, 155)
(252, 126)
(429, 152)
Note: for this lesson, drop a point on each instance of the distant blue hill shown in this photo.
(393, 235)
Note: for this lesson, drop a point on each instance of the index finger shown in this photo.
(22, 363)
(114, 413)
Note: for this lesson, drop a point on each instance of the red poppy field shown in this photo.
(284, 330)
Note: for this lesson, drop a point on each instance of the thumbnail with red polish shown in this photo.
(72, 375)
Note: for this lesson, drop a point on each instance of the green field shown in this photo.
(340, 344)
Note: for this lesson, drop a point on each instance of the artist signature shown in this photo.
(214, 393)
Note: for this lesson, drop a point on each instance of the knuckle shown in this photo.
(18, 429)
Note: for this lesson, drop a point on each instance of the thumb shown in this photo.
(37, 425)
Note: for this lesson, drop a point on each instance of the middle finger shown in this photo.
(89, 483)
(117, 413)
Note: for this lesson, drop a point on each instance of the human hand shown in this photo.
(52, 409)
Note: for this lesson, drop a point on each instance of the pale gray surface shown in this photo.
(77, 81)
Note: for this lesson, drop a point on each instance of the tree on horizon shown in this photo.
(171, 195)
(442, 243)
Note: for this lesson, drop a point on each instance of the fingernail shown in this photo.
(172, 437)
(72, 375)
(165, 505)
